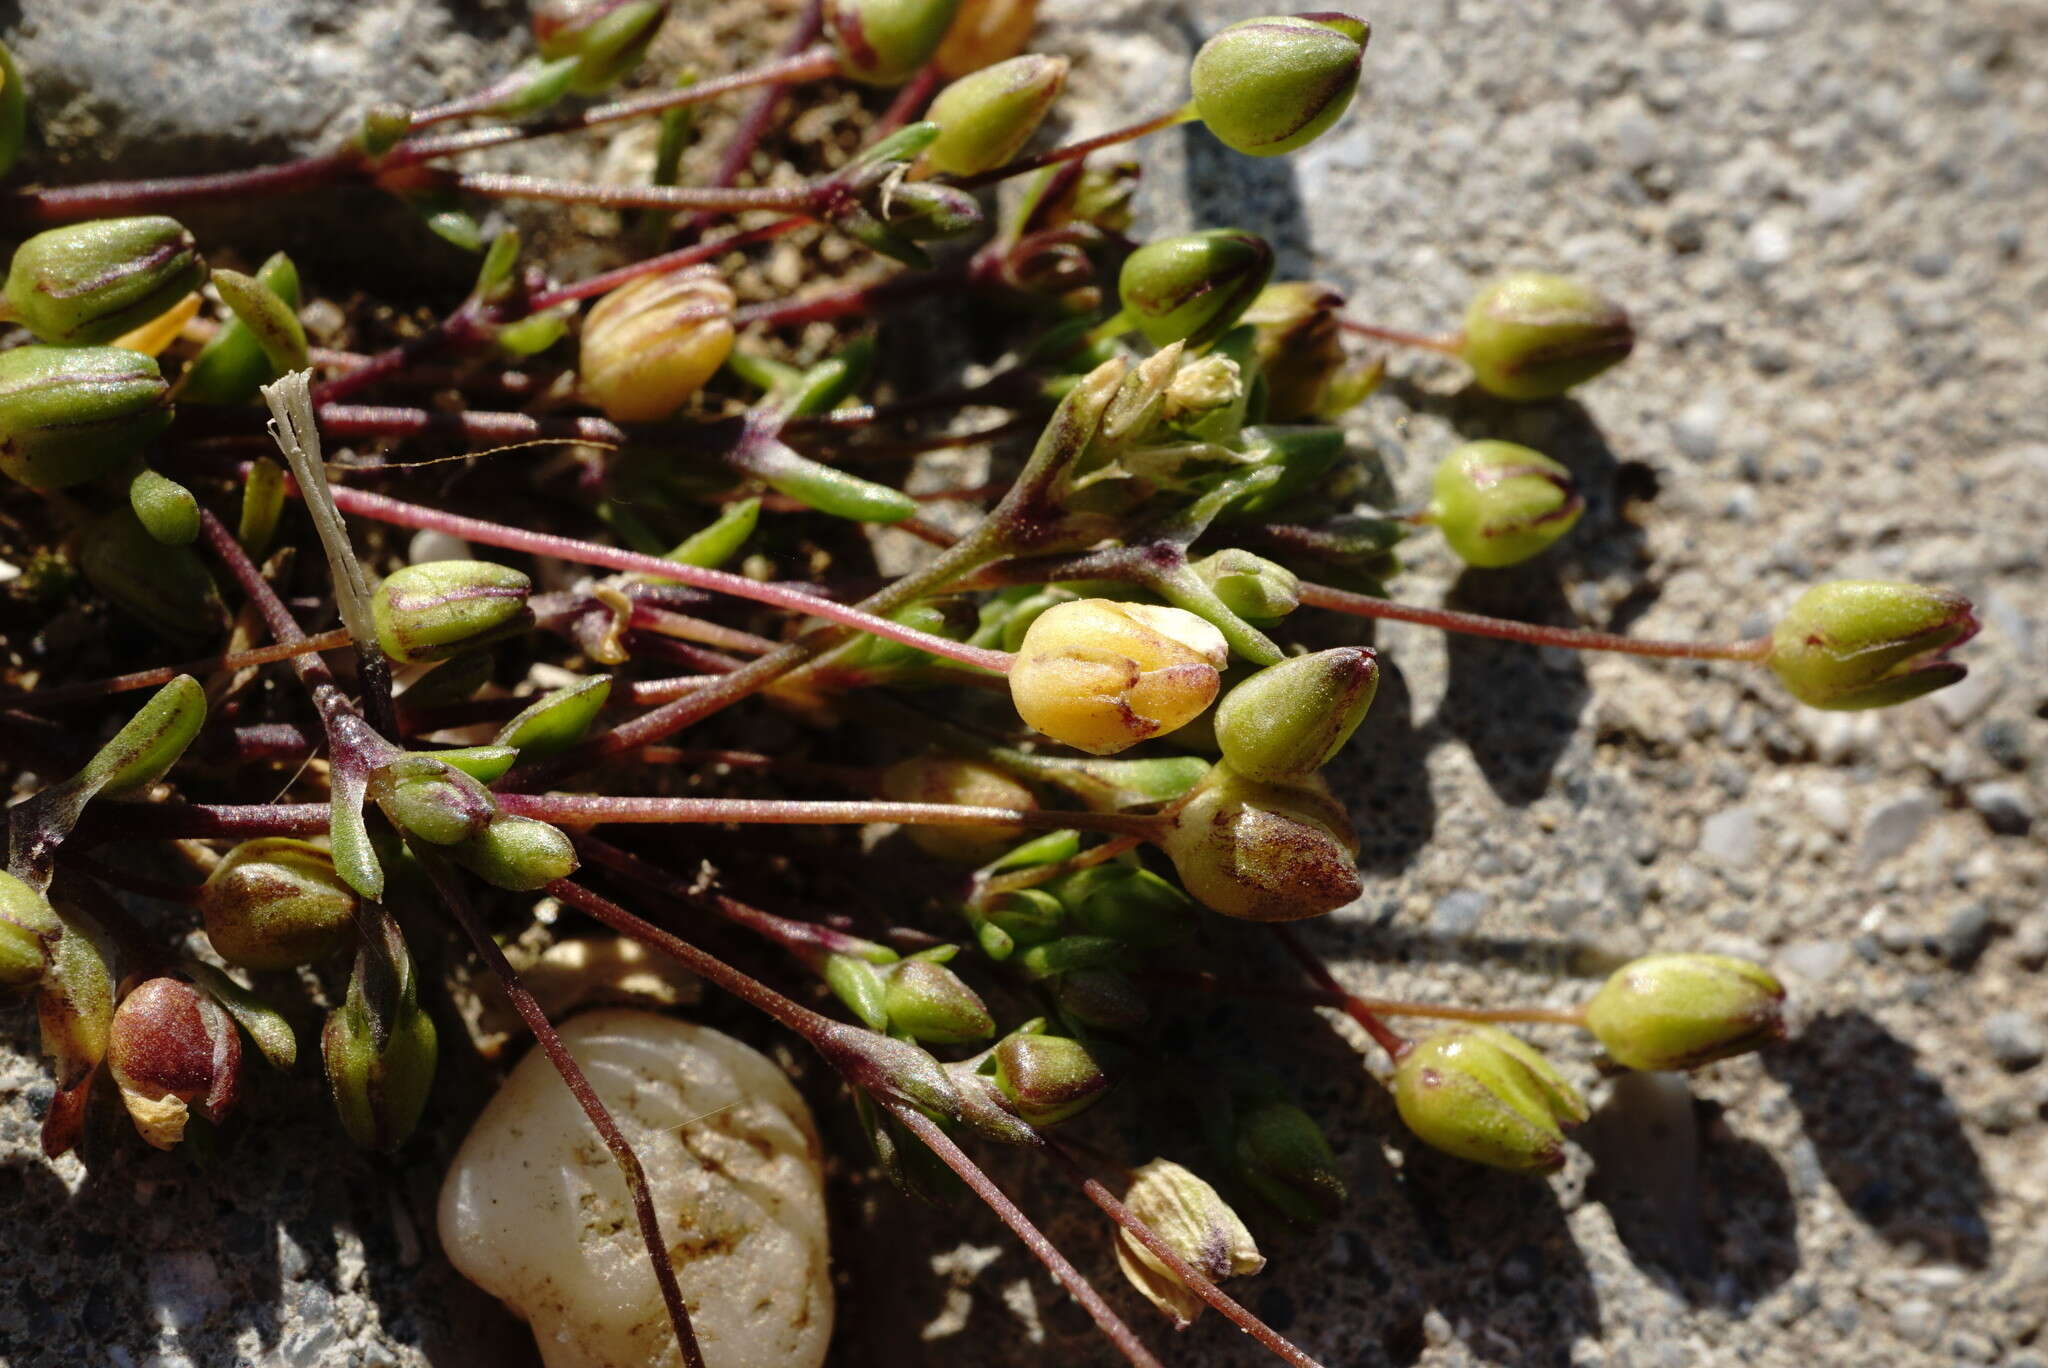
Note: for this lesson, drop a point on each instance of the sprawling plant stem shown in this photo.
(1529, 633)
(1383, 1035)
(1074, 151)
(150, 679)
(1351, 1003)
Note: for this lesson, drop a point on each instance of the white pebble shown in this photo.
(535, 1212)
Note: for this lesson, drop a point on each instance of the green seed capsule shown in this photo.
(69, 414)
(1256, 589)
(92, 282)
(28, 930)
(276, 903)
(1265, 852)
(1288, 720)
(517, 853)
(379, 1094)
(929, 1003)
(1273, 84)
(985, 119)
(1534, 336)
(1048, 1079)
(1682, 1011)
(1193, 288)
(443, 608)
(1855, 644)
(1281, 1154)
(558, 720)
(1484, 1095)
(884, 42)
(1499, 504)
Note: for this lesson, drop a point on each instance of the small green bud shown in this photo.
(827, 488)
(1193, 288)
(1021, 917)
(1485, 1095)
(1127, 904)
(518, 853)
(70, 414)
(929, 1003)
(171, 1049)
(1070, 954)
(1499, 504)
(151, 741)
(1265, 852)
(28, 930)
(950, 779)
(167, 588)
(1534, 336)
(884, 42)
(272, 320)
(232, 366)
(1855, 644)
(165, 507)
(712, 546)
(262, 506)
(1046, 1078)
(1273, 84)
(1197, 1224)
(1102, 676)
(75, 1005)
(443, 608)
(436, 802)
(606, 37)
(558, 720)
(1682, 1011)
(1288, 720)
(379, 1094)
(1280, 1153)
(482, 763)
(1256, 589)
(857, 983)
(276, 903)
(985, 119)
(13, 111)
(91, 282)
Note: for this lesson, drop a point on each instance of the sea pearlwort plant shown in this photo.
(1128, 589)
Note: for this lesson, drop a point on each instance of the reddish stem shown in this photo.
(1529, 633)
(1344, 1000)
(1449, 346)
(109, 199)
(1076, 150)
(754, 124)
(586, 1097)
(499, 185)
(570, 809)
(1112, 1326)
(149, 679)
(799, 600)
(1383, 1035)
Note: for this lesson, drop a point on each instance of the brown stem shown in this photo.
(1075, 150)
(149, 679)
(1190, 1276)
(1340, 998)
(754, 124)
(677, 260)
(1529, 633)
(109, 199)
(1112, 1326)
(1449, 346)
(498, 185)
(586, 1097)
(572, 809)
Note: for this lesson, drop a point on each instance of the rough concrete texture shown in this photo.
(1826, 222)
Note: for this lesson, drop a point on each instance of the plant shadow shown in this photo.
(1515, 708)
(1887, 1136)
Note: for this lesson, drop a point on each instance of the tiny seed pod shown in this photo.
(276, 903)
(884, 42)
(1682, 1011)
(1498, 504)
(1852, 644)
(983, 33)
(166, 588)
(171, 1050)
(1264, 852)
(444, 608)
(517, 853)
(652, 343)
(1485, 1095)
(1280, 1153)
(70, 414)
(1196, 1223)
(1533, 336)
(91, 282)
(985, 119)
(1274, 84)
(1193, 288)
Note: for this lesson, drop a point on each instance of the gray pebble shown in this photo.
(1892, 826)
(1967, 935)
(1917, 1321)
(1732, 836)
(2006, 808)
(2015, 1040)
(1457, 914)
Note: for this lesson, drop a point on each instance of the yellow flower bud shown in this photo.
(984, 32)
(652, 343)
(1102, 676)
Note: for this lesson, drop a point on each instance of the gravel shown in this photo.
(1825, 221)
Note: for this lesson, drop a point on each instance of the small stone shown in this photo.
(1697, 430)
(1816, 961)
(2005, 741)
(1829, 805)
(430, 544)
(2015, 1040)
(2030, 941)
(1732, 836)
(1917, 1321)
(1967, 935)
(1762, 18)
(1892, 826)
(2006, 808)
(1458, 914)
(185, 1288)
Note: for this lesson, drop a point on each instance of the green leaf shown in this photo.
(265, 1025)
(271, 321)
(710, 547)
(231, 367)
(144, 750)
(559, 720)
